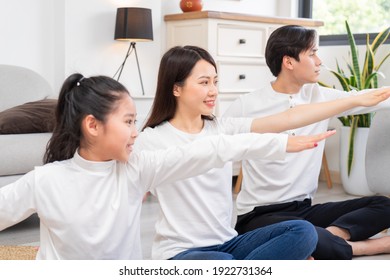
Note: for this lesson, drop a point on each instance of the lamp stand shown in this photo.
(120, 69)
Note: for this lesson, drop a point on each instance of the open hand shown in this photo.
(300, 143)
(374, 97)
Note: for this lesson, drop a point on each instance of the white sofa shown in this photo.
(19, 153)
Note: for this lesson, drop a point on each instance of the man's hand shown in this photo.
(374, 97)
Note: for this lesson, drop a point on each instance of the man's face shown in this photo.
(307, 69)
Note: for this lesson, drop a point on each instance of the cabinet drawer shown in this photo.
(242, 77)
(242, 41)
(187, 33)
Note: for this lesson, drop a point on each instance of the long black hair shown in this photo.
(79, 97)
(176, 65)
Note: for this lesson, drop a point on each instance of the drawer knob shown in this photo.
(242, 41)
(242, 76)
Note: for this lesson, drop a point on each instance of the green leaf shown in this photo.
(352, 143)
(353, 82)
(344, 82)
(383, 60)
(380, 39)
(344, 120)
(339, 70)
(369, 82)
(355, 56)
(375, 81)
(368, 65)
(324, 85)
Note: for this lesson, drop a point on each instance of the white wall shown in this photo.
(29, 35)
(57, 38)
(91, 48)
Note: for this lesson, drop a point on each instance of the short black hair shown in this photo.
(288, 40)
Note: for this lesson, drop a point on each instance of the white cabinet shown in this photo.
(236, 42)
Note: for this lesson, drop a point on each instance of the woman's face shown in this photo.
(199, 93)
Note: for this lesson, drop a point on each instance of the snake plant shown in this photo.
(359, 79)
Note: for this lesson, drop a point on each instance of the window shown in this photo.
(364, 16)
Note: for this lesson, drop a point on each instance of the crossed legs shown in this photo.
(343, 228)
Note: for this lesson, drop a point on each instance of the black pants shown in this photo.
(362, 217)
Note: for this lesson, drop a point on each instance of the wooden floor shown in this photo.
(27, 232)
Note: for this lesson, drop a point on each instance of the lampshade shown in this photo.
(134, 24)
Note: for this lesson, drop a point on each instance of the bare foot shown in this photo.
(370, 247)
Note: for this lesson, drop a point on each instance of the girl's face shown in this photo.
(199, 93)
(118, 134)
(307, 69)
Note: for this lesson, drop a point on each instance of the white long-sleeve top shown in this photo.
(91, 210)
(267, 182)
(197, 211)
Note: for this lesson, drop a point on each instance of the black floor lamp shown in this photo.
(134, 25)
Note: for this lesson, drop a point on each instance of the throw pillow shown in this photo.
(31, 117)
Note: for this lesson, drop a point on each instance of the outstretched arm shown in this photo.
(300, 143)
(179, 162)
(303, 115)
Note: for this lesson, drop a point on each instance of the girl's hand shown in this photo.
(373, 97)
(300, 143)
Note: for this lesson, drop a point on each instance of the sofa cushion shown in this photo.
(31, 117)
(20, 153)
(19, 85)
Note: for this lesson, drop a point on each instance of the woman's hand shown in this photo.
(300, 143)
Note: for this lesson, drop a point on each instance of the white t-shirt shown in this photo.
(91, 210)
(268, 182)
(197, 211)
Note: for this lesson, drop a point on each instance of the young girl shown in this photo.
(89, 194)
(196, 214)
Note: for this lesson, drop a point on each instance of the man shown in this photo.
(274, 191)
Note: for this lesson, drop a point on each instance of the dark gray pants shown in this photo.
(362, 217)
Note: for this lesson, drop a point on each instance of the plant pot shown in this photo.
(356, 182)
(378, 154)
(191, 5)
